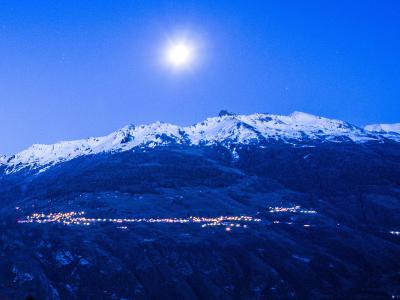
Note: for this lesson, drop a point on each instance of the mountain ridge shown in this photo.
(227, 129)
(383, 128)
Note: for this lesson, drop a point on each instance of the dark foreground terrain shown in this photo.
(316, 222)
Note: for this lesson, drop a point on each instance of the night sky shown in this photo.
(74, 69)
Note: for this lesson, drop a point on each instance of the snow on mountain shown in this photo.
(247, 128)
(226, 129)
(3, 160)
(384, 128)
(39, 155)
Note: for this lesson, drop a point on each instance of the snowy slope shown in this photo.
(40, 155)
(3, 160)
(384, 128)
(297, 126)
(227, 129)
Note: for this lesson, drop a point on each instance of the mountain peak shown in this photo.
(384, 128)
(224, 112)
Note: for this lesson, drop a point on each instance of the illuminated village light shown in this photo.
(78, 218)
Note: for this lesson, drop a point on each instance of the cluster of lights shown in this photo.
(293, 209)
(289, 223)
(227, 221)
(78, 218)
(394, 232)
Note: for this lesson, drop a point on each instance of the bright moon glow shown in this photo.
(179, 54)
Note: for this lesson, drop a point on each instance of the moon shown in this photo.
(179, 54)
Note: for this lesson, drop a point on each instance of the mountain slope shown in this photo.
(328, 212)
(235, 207)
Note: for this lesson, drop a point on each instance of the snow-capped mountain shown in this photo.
(317, 188)
(385, 128)
(226, 129)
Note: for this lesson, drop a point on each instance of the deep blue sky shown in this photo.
(73, 69)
